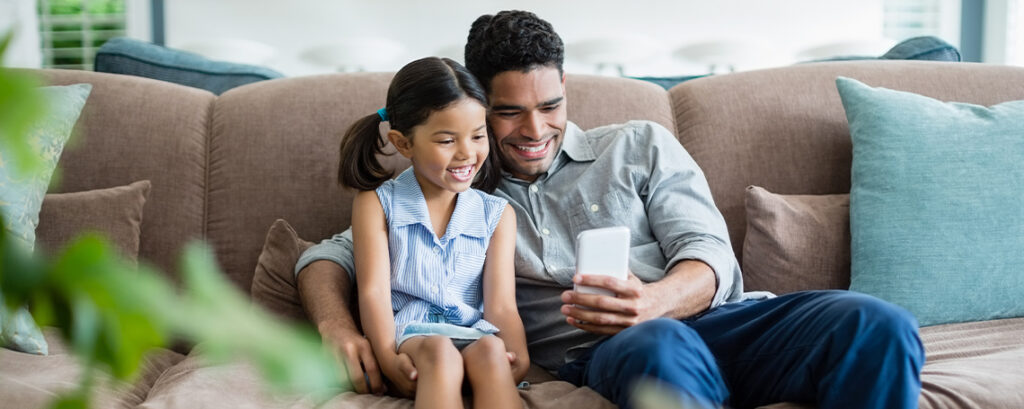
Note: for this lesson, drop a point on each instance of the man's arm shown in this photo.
(326, 290)
(703, 271)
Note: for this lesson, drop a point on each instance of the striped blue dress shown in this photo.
(436, 282)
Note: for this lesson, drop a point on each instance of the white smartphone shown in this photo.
(602, 251)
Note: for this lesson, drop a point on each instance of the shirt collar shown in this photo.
(410, 207)
(575, 144)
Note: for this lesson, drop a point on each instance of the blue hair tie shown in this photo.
(383, 114)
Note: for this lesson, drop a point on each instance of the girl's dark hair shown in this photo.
(420, 88)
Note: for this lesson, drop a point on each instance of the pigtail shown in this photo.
(359, 167)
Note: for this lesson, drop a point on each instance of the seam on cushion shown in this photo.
(194, 70)
(206, 172)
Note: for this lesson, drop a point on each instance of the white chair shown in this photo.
(848, 48)
(614, 52)
(727, 54)
(355, 54)
(237, 50)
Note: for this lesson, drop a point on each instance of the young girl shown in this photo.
(434, 258)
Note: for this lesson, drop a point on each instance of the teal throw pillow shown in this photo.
(21, 196)
(936, 209)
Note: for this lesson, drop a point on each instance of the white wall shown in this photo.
(426, 27)
(20, 16)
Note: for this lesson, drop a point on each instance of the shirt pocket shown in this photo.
(587, 212)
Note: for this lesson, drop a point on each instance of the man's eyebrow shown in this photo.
(549, 102)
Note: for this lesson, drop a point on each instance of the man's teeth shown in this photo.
(537, 148)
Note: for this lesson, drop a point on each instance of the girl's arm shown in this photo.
(499, 283)
(373, 275)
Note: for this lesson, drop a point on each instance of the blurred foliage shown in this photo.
(112, 313)
(20, 106)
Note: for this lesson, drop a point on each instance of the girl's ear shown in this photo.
(401, 143)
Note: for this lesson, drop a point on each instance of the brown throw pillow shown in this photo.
(116, 213)
(273, 285)
(796, 242)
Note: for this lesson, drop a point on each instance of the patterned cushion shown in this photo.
(21, 196)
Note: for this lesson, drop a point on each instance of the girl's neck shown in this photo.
(440, 205)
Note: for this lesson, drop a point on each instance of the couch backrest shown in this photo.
(135, 128)
(274, 152)
(785, 129)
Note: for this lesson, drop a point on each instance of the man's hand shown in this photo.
(608, 315)
(355, 353)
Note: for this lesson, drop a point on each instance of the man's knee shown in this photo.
(881, 322)
(660, 342)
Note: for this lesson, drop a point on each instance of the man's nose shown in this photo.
(533, 126)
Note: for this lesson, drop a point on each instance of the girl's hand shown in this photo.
(519, 366)
(402, 374)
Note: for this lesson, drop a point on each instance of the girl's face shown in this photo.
(449, 148)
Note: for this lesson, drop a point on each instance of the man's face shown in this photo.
(527, 117)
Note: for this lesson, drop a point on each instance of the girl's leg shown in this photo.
(439, 368)
(490, 374)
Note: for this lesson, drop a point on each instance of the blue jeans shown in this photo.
(838, 349)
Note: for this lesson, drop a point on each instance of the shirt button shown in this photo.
(545, 231)
(594, 208)
(534, 188)
(437, 250)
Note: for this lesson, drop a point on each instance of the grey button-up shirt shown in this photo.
(634, 174)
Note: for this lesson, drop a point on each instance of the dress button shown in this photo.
(534, 188)
(594, 208)
(545, 231)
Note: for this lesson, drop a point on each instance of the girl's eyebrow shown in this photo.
(453, 133)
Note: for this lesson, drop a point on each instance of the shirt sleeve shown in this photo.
(681, 211)
(337, 249)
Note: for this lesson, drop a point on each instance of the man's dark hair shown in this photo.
(511, 40)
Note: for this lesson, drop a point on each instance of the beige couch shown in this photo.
(225, 168)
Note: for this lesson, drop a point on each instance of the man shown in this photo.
(681, 319)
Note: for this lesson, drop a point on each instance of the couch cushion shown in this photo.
(141, 129)
(134, 57)
(192, 384)
(973, 365)
(273, 285)
(784, 129)
(114, 212)
(32, 381)
(796, 242)
(936, 219)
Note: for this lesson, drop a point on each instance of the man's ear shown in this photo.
(401, 143)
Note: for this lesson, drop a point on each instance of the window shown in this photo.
(72, 30)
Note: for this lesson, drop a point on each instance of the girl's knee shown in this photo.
(438, 351)
(486, 353)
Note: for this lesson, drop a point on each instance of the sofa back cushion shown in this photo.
(784, 129)
(134, 129)
(274, 152)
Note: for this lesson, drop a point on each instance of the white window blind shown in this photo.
(72, 30)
